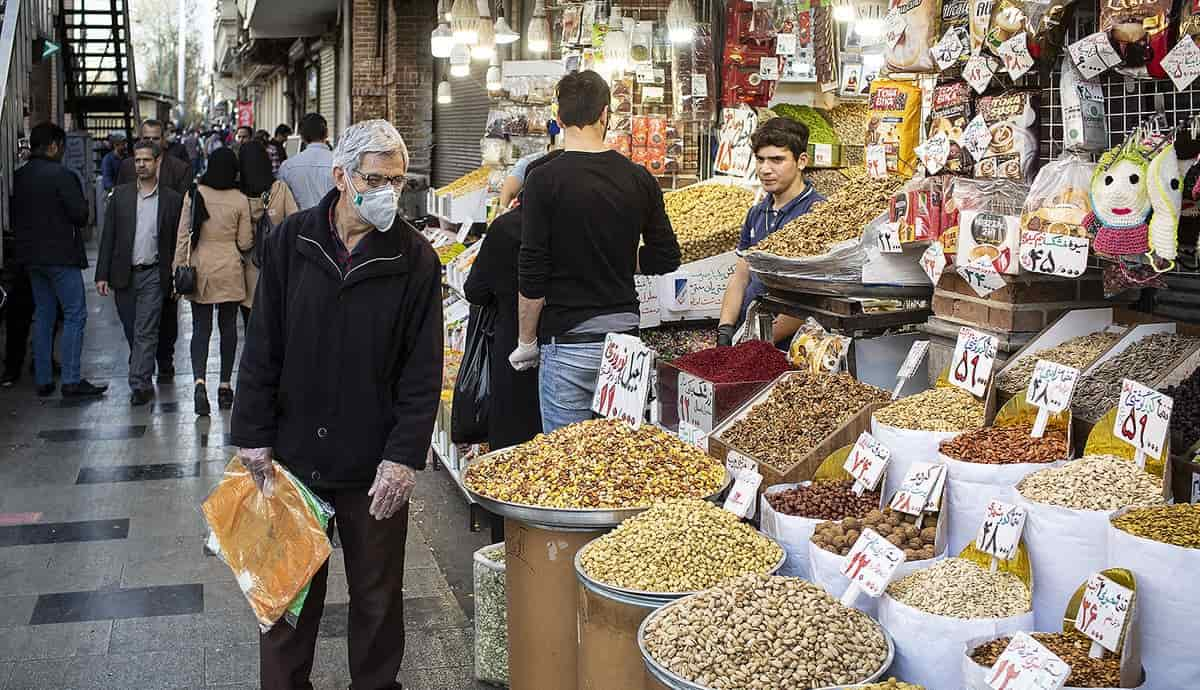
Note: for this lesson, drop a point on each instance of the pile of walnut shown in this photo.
(842, 216)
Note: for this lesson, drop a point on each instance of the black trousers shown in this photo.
(18, 319)
(202, 327)
(168, 333)
(374, 554)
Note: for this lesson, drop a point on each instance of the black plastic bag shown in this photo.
(473, 388)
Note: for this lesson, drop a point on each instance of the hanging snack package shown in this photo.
(949, 216)
(956, 18)
(950, 113)
(1084, 125)
(1058, 199)
(980, 22)
(274, 545)
(911, 52)
(895, 123)
(1141, 33)
(990, 222)
(1044, 23)
(909, 210)
(817, 350)
(1011, 118)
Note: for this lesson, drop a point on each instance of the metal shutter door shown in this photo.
(328, 83)
(458, 127)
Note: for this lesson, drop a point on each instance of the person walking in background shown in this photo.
(47, 212)
(136, 245)
(264, 194)
(584, 215)
(195, 152)
(173, 144)
(309, 173)
(214, 247)
(242, 135)
(110, 165)
(277, 148)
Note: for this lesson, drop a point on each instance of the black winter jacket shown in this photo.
(48, 208)
(341, 372)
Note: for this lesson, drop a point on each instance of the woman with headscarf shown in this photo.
(264, 193)
(213, 245)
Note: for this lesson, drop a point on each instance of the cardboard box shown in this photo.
(609, 656)
(727, 397)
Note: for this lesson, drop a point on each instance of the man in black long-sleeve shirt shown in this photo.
(584, 215)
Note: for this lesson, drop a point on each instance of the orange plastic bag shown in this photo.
(273, 545)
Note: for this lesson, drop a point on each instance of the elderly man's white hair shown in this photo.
(369, 136)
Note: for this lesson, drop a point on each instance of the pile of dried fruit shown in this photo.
(1072, 647)
(1006, 445)
(959, 588)
(707, 218)
(842, 216)
(898, 528)
(797, 415)
(937, 409)
(1077, 352)
(680, 546)
(824, 500)
(1177, 525)
(753, 360)
(601, 463)
(756, 632)
(1093, 482)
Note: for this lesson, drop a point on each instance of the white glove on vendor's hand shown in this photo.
(525, 356)
(392, 488)
(258, 462)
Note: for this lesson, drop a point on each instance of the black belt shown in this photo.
(145, 267)
(581, 338)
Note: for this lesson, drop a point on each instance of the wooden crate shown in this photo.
(1027, 303)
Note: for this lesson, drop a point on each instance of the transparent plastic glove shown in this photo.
(525, 356)
(392, 488)
(258, 462)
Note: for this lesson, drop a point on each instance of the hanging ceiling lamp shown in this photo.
(485, 48)
(681, 21)
(494, 78)
(460, 60)
(538, 38)
(443, 93)
(504, 33)
(442, 41)
(466, 21)
(616, 43)
(844, 12)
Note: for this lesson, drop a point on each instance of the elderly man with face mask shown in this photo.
(339, 383)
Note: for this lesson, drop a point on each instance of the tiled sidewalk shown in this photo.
(103, 579)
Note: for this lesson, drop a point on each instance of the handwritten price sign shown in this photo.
(933, 261)
(971, 364)
(1143, 417)
(742, 496)
(872, 562)
(1015, 52)
(1001, 530)
(876, 156)
(1026, 665)
(912, 360)
(1103, 611)
(979, 71)
(624, 380)
(1053, 254)
(695, 398)
(1052, 385)
(866, 462)
(1093, 55)
(889, 239)
(1182, 64)
(921, 489)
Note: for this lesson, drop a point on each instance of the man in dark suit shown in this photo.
(136, 250)
(176, 175)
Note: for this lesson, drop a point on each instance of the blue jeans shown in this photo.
(54, 285)
(566, 382)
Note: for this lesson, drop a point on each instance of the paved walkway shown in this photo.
(103, 579)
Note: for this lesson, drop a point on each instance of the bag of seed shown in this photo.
(913, 428)
(789, 526)
(1160, 546)
(1110, 672)
(491, 616)
(932, 613)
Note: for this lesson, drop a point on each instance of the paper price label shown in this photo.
(739, 464)
(1143, 417)
(1052, 385)
(695, 398)
(1093, 55)
(933, 261)
(872, 562)
(1196, 488)
(934, 152)
(1015, 52)
(1026, 665)
(889, 239)
(978, 72)
(1053, 253)
(624, 380)
(785, 44)
(699, 86)
(822, 154)
(916, 495)
(977, 137)
(1104, 611)
(768, 68)
(971, 364)
(982, 276)
(867, 461)
(1182, 64)
(693, 435)
(744, 494)
(463, 230)
(954, 44)
(894, 25)
(876, 156)
(645, 74)
(1000, 533)
(912, 360)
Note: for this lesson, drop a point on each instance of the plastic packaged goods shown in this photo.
(911, 52)
(274, 545)
(1084, 125)
(951, 112)
(818, 350)
(1058, 199)
(895, 123)
(989, 213)
(1011, 118)
(1141, 33)
(491, 616)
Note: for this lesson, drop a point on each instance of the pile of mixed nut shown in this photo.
(842, 216)
(707, 218)
(943, 409)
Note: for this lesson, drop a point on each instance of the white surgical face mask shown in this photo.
(375, 206)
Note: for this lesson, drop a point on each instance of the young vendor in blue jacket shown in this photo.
(781, 154)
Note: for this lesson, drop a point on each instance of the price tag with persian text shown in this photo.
(1104, 611)
(1053, 253)
(623, 384)
(1143, 419)
(921, 490)
(866, 462)
(1027, 665)
(871, 564)
(972, 361)
(912, 360)
(744, 494)
(695, 398)
(1000, 533)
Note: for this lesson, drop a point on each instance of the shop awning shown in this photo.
(266, 19)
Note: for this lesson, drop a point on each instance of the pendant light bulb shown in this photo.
(460, 60)
(485, 48)
(538, 38)
(443, 93)
(494, 78)
(681, 21)
(844, 12)
(466, 21)
(616, 43)
(504, 33)
(442, 41)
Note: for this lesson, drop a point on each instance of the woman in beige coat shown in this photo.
(215, 251)
(262, 191)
